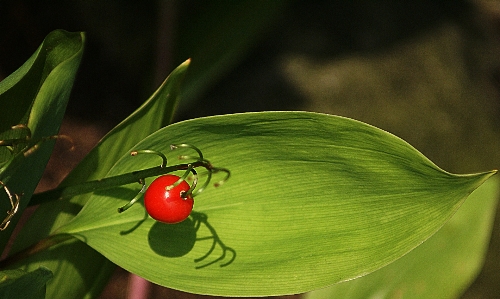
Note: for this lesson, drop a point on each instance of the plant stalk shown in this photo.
(109, 182)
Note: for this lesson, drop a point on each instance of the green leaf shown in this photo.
(442, 267)
(313, 200)
(88, 273)
(36, 96)
(20, 284)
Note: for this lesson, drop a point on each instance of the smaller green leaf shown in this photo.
(36, 96)
(90, 272)
(22, 86)
(442, 267)
(20, 284)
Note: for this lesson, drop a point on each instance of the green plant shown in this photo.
(313, 199)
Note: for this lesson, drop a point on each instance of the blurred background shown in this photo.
(427, 71)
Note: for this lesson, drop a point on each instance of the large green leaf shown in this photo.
(36, 96)
(313, 200)
(88, 273)
(442, 267)
(24, 285)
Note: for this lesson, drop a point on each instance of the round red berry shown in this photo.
(167, 204)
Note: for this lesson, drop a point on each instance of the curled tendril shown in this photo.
(205, 163)
(23, 127)
(189, 168)
(162, 156)
(184, 177)
(14, 203)
(11, 143)
(27, 150)
(136, 198)
(35, 147)
(184, 145)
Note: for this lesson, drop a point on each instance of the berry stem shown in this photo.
(109, 182)
(136, 198)
(161, 155)
(184, 145)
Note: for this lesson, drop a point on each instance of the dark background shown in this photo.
(427, 71)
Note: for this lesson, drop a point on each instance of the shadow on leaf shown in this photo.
(133, 228)
(172, 240)
(176, 240)
(202, 218)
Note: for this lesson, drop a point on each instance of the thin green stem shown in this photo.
(159, 154)
(193, 185)
(109, 182)
(219, 169)
(136, 198)
(207, 181)
(184, 145)
(15, 141)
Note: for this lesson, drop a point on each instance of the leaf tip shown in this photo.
(186, 63)
(491, 173)
(486, 175)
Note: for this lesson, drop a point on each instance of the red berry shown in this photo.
(168, 205)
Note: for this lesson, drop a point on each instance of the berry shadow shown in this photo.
(172, 240)
(176, 240)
